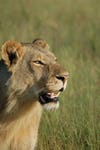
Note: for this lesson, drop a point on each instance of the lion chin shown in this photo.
(51, 106)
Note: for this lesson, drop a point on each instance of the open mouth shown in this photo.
(48, 97)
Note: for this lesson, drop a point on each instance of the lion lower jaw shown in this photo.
(51, 106)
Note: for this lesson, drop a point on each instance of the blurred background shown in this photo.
(72, 29)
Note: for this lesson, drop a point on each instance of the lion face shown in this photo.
(36, 75)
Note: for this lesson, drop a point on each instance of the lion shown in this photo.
(30, 79)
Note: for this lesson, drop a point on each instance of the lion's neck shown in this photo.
(13, 110)
(28, 121)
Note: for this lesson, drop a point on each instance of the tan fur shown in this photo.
(26, 70)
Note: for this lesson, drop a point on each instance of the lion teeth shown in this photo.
(57, 94)
(53, 95)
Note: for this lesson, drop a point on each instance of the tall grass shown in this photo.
(73, 30)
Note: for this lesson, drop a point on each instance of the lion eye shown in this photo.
(38, 62)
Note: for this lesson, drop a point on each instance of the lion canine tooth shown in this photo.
(53, 95)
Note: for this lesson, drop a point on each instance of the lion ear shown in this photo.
(41, 44)
(11, 52)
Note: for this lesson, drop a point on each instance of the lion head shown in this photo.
(33, 74)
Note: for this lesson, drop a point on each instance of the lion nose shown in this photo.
(63, 77)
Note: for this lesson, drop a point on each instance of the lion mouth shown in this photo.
(48, 97)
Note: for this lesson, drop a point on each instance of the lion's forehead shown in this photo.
(40, 54)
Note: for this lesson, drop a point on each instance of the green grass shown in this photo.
(72, 27)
